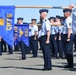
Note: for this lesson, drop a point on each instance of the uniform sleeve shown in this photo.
(69, 23)
(59, 27)
(48, 26)
(63, 22)
(39, 33)
(36, 28)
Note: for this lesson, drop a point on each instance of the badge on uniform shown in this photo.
(70, 24)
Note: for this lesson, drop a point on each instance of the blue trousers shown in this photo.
(75, 41)
(59, 44)
(4, 44)
(34, 46)
(23, 49)
(0, 48)
(46, 53)
(54, 45)
(10, 50)
(69, 50)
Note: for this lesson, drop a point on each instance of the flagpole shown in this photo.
(49, 7)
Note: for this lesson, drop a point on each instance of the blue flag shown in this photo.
(7, 23)
(74, 20)
(21, 32)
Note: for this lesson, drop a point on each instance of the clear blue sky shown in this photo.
(27, 14)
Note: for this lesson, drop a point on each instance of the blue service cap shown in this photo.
(34, 19)
(67, 10)
(62, 18)
(57, 16)
(20, 18)
(52, 18)
(43, 10)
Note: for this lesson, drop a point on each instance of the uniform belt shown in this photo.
(32, 36)
(43, 36)
(67, 34)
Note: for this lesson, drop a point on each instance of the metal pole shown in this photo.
(33, 6)
(49, 7)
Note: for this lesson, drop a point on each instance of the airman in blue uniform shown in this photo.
(53, 42)
(45, 39)
(63, 38)
(59, 37)
(34, 38)
(21, 43)
(30, 40)
(68, 38)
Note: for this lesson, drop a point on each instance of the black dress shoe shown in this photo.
(62, 57)
(75, 50)
(16, 50)
(4, 51)
(28, 53)
(49, 69)
(22, 59)
(34, 57)
(9, 53)
(44, 69)
(40, 49)
(67, 66)
(0, 54)
(57, 57)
